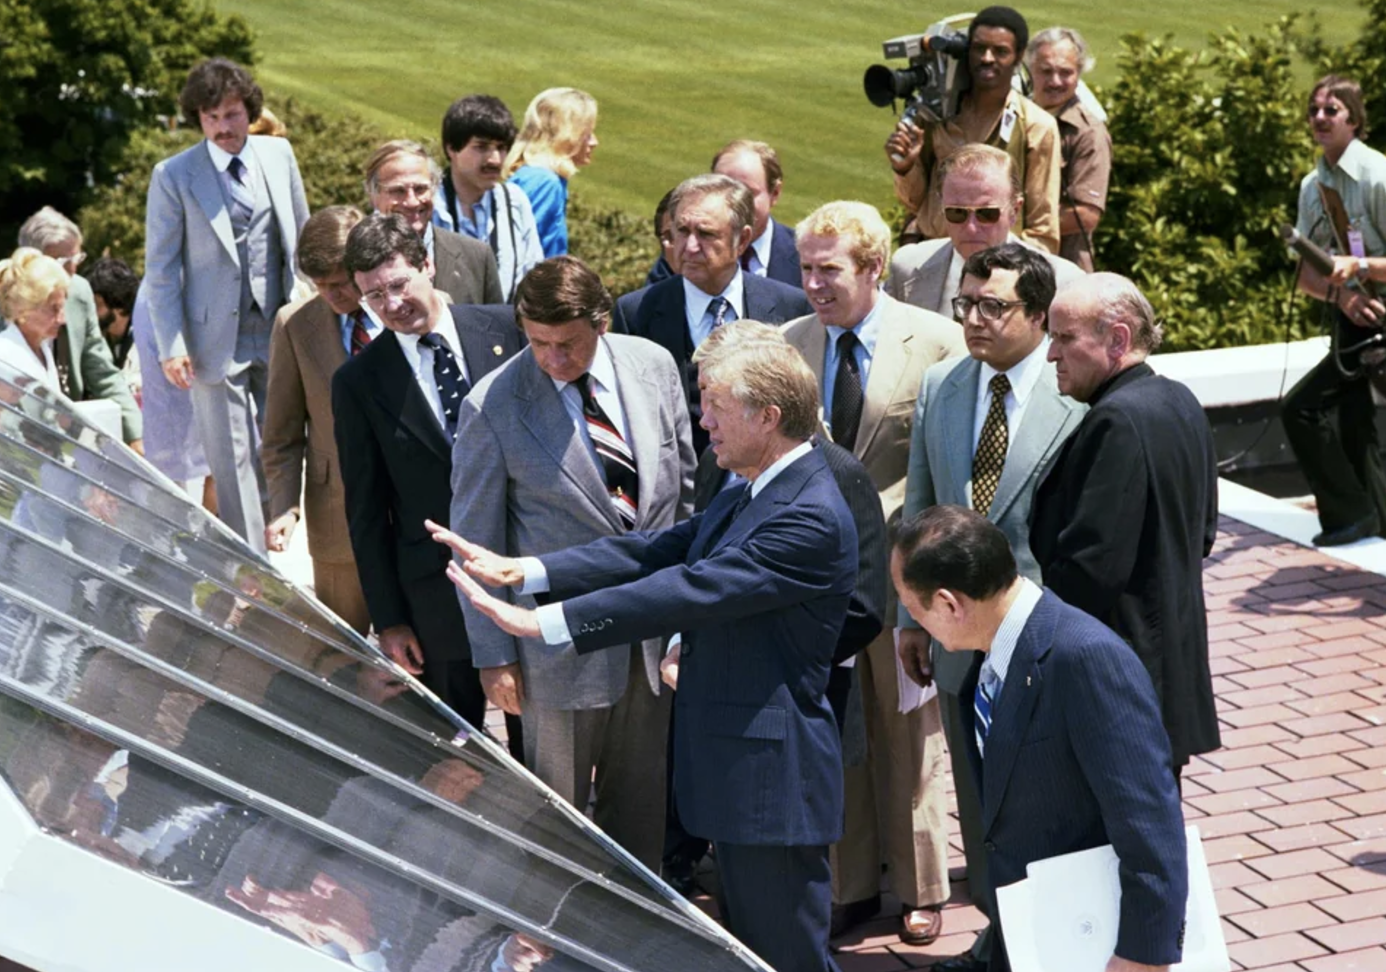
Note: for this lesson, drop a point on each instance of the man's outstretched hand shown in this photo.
(490, 568)
(510, 618)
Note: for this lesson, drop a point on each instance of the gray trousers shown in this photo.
(626, 744)
(229, 414)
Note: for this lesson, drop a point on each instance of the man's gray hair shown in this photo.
(1058, 35)
(739, 199)
(388, 151)
(762, 369)
(1119, 300)
(48, 227)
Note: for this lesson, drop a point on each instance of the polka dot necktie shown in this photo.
(991, 448)
(452, 386)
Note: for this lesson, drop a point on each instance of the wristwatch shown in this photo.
(1363, 268)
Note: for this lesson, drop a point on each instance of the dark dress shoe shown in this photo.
(680, 873)
(853, 913)
(1361, 530)
(961, 963)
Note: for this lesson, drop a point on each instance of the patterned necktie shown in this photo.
(981, 706)
(991, 448)
(847, 393)
(618, 463)
(719, 308)
(360, 337)
(240, 190)
(452, 386)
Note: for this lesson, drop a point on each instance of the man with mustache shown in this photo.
(221, 229)
(478, 131)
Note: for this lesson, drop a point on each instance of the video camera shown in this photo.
(935, 79)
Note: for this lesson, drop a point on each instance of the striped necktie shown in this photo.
(360, 337)
(618, 463)
(981, 705)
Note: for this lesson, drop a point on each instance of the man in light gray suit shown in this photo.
(981, 198)
(583, 435)
(221, 229)
(985, 426)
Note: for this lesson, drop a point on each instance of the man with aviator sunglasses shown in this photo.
(1342, 208)
(980, 198)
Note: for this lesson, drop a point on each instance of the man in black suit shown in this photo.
(773, 252)
(1129, 509)
(713, 219)
(395, 409)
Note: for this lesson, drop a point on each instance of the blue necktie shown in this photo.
(452, 386)
(981, 705)
(240, 190)
(720, 309)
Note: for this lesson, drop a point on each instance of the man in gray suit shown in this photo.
(583, 435)
(402, 179)
(981, 197)
(984, 428)
(221, 229)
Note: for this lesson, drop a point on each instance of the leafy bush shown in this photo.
(79, 76)
(619, 246)
(1209, 149)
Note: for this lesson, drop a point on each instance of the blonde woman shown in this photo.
(33, 299)
(558, 137)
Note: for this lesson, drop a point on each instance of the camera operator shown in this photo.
(1342, 208)
(1057, 58)
(993, 113)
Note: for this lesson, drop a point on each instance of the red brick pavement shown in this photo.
(1293, 809)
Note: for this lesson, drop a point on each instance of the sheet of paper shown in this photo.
(1063, 917)
(911, 695)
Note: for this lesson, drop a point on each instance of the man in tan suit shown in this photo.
(311, 340)
(870, 353)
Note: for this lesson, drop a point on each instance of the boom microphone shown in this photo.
(1309, 251)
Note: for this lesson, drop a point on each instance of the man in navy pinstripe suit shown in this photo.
(759, 586)
(1064, 734)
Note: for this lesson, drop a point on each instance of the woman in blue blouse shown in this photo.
(557, 139)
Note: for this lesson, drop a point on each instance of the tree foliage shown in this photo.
(79, 76)
(1209, 148)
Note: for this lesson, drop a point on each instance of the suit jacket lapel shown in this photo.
(324, 339)
(931, 278)
(889, 365)
(640, 402)
(542, 412)
(399, 392)
(206, 187)
(1012, 710)
(760, 300)
(280, 204)
(959, 397)
(1030, 440)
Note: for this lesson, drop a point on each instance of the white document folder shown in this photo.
(1063, 917)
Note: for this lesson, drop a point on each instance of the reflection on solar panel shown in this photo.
(172, 706)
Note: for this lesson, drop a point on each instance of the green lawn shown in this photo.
(675, 79)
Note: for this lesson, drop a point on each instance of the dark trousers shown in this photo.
(778, 901)
(681, 849)
(1330, 423)
(969, 819)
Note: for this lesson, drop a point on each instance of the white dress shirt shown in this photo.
(695, 303)
(1023, 377)
(221, 159)
(998, 660)
(420, 358)
(603, 372)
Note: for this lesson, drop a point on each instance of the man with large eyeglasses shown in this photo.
(981, 198)
(1342, 208)
(984, 426)
(394, 410)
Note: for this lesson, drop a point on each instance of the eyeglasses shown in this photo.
(1328, 111)
(988, 308)
(400, 191)
(395, 289)
(959, 214)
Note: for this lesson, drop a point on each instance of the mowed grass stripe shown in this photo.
(675, 79)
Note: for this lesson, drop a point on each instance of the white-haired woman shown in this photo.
(557, 139)
(33, 299)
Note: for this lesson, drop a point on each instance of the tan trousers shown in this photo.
(339, 587)
(896, 802)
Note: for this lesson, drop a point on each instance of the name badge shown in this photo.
(1008, 120)
(1356, 244)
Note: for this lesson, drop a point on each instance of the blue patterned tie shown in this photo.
(452, 386)
(721, 311)
(981, 705)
